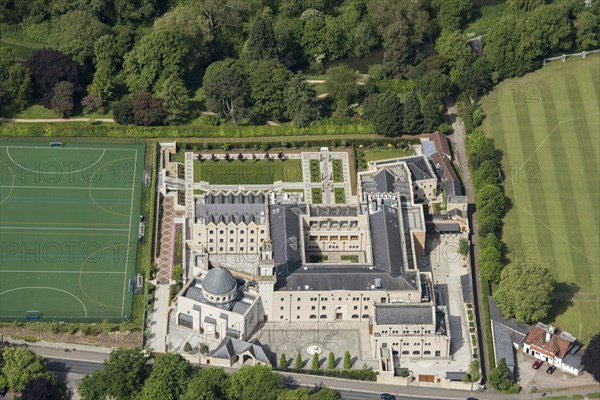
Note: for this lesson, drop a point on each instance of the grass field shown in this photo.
(68, 230)
(547, 124)
(247, 172)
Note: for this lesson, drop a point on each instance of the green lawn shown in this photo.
(315, 170)
(490, 14)
(19, 42)
(547, 125)
(339, 195)
(380, 153)
(338, 170)
(249, 172)
(317, 195)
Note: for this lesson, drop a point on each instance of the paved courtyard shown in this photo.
(291, 338)
(447, 267)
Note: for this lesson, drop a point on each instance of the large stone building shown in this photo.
(252, 257)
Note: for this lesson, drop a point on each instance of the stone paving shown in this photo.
(167, 226)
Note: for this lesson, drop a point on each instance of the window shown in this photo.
(355, 308)
(324, 308)
(281, 308)
(242, 231)
(313, 308)
(366, 307)
(262, 231)
(437, 353)
(220, 248)
(281, 317)
(297, 308)
(365, 316)
(221, 232)
(324, 299)
(230, 240)
(211, 231)
(405, 352)
(297, 317)
(282, 299)
(427, 353)
(210, 240)
(241, 240)
(230, 248)
(416, 352)
(252, 231)
(241, 249)
(313, 316)
(231, 231)
(354, 316)
(323, 316)
(298, 298)
(221, 240)
(251, 240)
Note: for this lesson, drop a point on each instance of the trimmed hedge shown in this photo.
(355, 374)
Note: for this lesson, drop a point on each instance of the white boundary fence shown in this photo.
(564, 57)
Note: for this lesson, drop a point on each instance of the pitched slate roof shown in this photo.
(441, 144)
(386, 239)
(413, 314)
(285, 233)
(230, 347)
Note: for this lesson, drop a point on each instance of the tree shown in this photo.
(326, 394)
(431, 107)
(47, 67)
(488, 223)
(412, 119)
(436, 85)
(133, 12)
(123, 111)
(226, 89)
(491, 259)
(62, 101)
(463, 247)
(481, 148)
(39, 389)
(268, 80)
(299, 361)
(22, 365)
(550, 29)
(75, 33)
(187, 347)
(452, 45)
(386, 114)
(92, 103)
(261, 43)
(168, 379)
(501, 377)
(147, 109)
(282, 361)
(255, 382)
(108, 51)
(188, 19)
(129, 365)
(403, 25)
(209, 383)
(295, 394)
(175, 100)
(300, 101)
(15, 83)
(330, 361)
(313, 40)
(474, 374)
(203, 349)
(341, 84)
(453, 14)
(347, 360)
(490, 198)
(525, 291)
(485, 174)
(506, 48)
(525, 5)
(474, 78)
(586, 30)
(315, 362)
(157, 56)
(591, 357)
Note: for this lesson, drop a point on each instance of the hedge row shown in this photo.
(356, 374)
(99, 129)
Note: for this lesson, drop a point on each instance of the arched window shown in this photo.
(416, 352)
(354, 316)
(365, 316)
(405, 352)
(313, 316)
(427, 353)
(323, 316)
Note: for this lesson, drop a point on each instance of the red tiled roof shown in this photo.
(441, 144)
(557, 346)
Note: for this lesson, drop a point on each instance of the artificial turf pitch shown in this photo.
(547, 124)
(69, 220)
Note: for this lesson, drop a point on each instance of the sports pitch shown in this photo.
(69, 220)
(547, 124)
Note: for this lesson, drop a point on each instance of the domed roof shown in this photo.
(219, 281)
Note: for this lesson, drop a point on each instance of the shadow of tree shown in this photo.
(562, 299)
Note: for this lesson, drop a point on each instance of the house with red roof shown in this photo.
(549, 344)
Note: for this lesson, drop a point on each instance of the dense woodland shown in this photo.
(165, 62)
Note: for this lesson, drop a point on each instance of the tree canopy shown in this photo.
(525, 291)
(591, 357)
(255, 383)
(21, 365)
(168, 379)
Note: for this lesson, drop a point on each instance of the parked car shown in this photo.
(387, 396)
(537, 364)
(551, 370)
(471, 398)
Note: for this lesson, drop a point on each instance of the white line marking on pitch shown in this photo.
(129, 247)
(62, 229)
(55, 172)
(65, 148)
(60, 272)
(63, 187)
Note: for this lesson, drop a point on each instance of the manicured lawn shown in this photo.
(37, 112)
(547, 125)
(338, 170)
(315, 170)
(490, 14)
(380, 153)
(339, 195)
(248, 171)
(317, 195)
